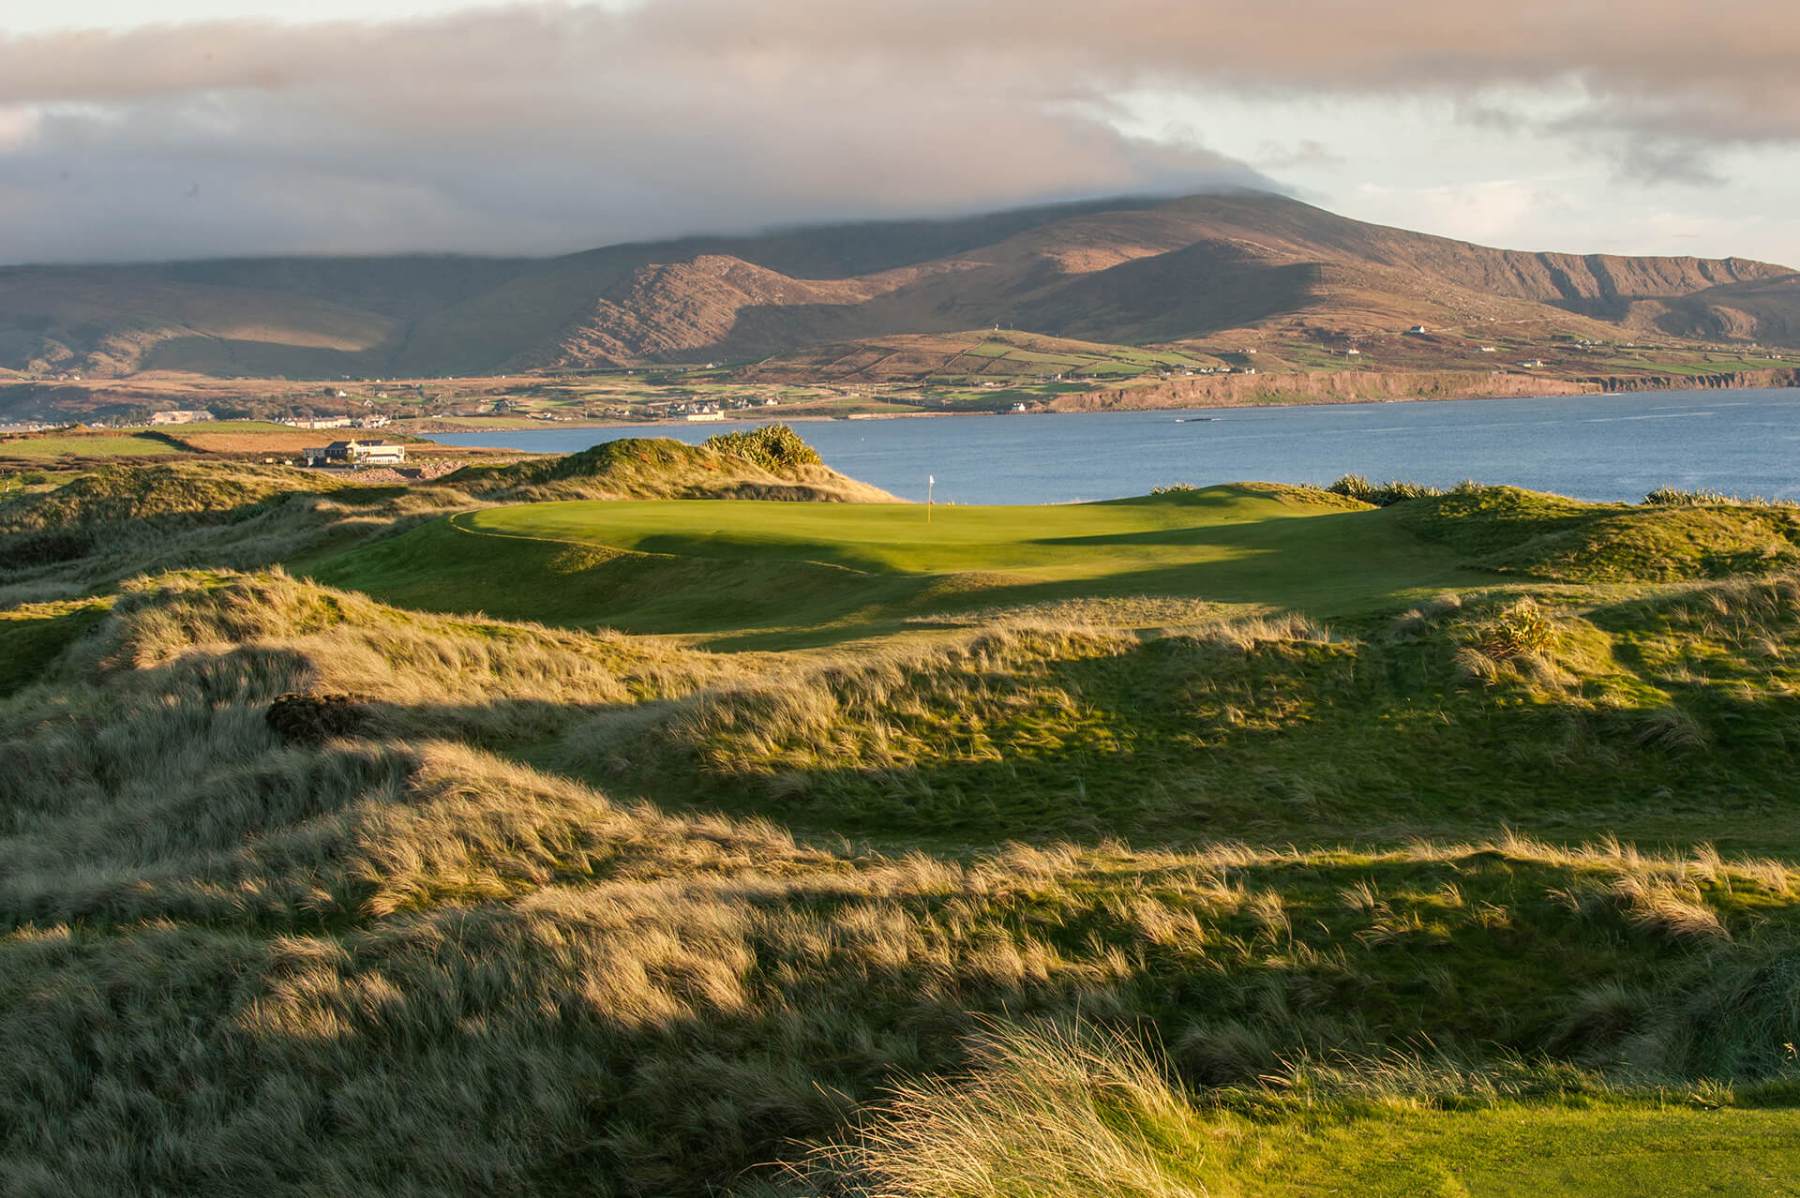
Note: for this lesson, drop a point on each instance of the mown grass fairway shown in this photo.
(826, 571)
(1050, 543)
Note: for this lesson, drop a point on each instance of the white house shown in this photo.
(356, 453)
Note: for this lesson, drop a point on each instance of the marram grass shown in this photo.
(1187, 875)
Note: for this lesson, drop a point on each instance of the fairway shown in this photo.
(737, 566)
(1062, 541)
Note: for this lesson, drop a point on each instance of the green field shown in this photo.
(814, 571)
(96, 446)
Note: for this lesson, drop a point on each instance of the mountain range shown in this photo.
(1140, 271)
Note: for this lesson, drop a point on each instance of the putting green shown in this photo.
(737, 565)
(1063, 541)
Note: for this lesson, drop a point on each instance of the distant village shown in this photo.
(201, 416)
(697, 410)
(358, 406)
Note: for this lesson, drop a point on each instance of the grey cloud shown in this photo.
(1306, 152)
(553, 127)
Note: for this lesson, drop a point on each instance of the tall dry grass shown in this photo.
(1046, 1110)
(417, 960)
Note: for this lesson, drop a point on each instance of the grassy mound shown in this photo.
(106, 525)
(307, 889)
(1651, 718)
(124, 495)
(772, 463)
(426, 956)
(1532, 534)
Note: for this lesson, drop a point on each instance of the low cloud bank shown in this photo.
(544, 128)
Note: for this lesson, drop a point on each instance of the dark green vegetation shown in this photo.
(1245, 840)
(1666, 720)
(34, 635)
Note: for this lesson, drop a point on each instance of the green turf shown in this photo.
(81, 445)
(1604, 1150)
(831, 570)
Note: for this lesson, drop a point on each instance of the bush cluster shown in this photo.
(773, 447)
(27, 550)
(1518, 630)
(315, 719)
(1701, 497)
(1680, 497)
(1356, 486)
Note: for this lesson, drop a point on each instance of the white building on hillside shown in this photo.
(356, 453)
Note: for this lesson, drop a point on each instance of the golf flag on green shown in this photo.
(930, 482)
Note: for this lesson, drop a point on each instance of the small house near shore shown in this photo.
(356, 453)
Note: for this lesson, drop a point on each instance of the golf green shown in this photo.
(737, 565)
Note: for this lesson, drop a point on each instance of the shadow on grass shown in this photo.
(30, 642)
(1318, 565)
(1174, 742)
(663, 1042)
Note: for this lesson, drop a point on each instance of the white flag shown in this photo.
(931, 480)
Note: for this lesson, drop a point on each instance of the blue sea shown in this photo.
(1612, 447)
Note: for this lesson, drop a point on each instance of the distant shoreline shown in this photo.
(1187, 404)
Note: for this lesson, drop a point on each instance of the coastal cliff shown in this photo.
(1249, 390)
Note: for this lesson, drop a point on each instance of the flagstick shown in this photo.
(930, 483)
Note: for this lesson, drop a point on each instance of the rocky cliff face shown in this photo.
(1240, 390)
(1722, 381)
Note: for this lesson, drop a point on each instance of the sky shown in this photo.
(155, 129)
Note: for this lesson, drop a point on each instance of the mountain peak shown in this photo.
(1134, 269)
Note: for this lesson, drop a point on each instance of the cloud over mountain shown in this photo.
(546, 127)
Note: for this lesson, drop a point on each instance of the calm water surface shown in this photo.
(1590, 447)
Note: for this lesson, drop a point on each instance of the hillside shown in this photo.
(770, 463)
(1119, 272)
(541, 830)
